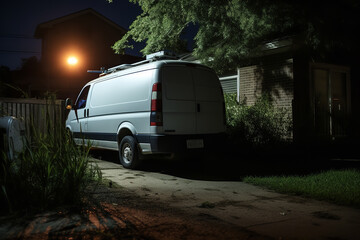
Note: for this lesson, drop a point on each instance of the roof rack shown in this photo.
(149, 58)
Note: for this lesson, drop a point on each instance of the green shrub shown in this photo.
(51, 171)
(257, 125)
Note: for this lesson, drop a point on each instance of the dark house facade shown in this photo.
(85, 35)
(321, 96)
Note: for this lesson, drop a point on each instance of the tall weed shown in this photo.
(51, 171)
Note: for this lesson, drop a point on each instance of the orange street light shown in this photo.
(72, 60)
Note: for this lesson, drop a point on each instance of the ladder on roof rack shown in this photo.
(149, 58)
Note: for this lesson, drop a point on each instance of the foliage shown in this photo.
(51, 171)
(256, 125)
(228, 30)
(338, 186)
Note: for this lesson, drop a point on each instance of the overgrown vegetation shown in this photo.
(51, 171)
(258, 125)
(337, 186)
(223, 33)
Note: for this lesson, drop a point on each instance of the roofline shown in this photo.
(49, 24)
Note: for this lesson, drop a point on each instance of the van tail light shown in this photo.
(156, 117)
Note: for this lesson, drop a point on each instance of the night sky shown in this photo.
(18, 21)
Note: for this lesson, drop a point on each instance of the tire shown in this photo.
(128, 153)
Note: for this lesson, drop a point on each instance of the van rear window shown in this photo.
(178, 83)
(189, 84)
(207, 86)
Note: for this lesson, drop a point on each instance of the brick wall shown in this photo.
(274, 77)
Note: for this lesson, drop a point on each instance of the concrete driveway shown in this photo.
(249, 207)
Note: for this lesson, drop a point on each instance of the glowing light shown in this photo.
(72, 60)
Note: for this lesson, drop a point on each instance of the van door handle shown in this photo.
(86, 113)
(198, 107)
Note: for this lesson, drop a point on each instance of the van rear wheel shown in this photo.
(128, 153)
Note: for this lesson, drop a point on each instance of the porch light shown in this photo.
(72, 60)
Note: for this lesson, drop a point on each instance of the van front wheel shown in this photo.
(128, 153)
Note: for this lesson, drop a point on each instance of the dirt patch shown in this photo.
(116, 213)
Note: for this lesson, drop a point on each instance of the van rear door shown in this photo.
(193, 101)
(209, 102)
(179, 114)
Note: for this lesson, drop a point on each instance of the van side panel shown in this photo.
(126, 93)
(121, 99)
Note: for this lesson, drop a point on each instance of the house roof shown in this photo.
(43, 27)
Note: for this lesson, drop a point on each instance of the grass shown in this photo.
(337, 186)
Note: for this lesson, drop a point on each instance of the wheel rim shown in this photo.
(127, 153)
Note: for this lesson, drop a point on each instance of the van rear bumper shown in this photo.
(179, 143)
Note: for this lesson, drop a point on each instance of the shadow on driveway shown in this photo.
(236, 165)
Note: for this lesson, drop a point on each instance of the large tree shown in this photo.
(228, 30)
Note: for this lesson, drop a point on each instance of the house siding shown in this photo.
(229, 84)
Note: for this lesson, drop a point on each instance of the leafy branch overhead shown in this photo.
(228, 30)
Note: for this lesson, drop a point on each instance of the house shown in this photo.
(73, 44)
(322, 96)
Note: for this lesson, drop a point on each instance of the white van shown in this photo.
(156, 106)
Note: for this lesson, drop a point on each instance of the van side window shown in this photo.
(81, 101)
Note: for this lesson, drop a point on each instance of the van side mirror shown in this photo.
(68, 104)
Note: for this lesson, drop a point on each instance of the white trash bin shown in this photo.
(12, 136)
